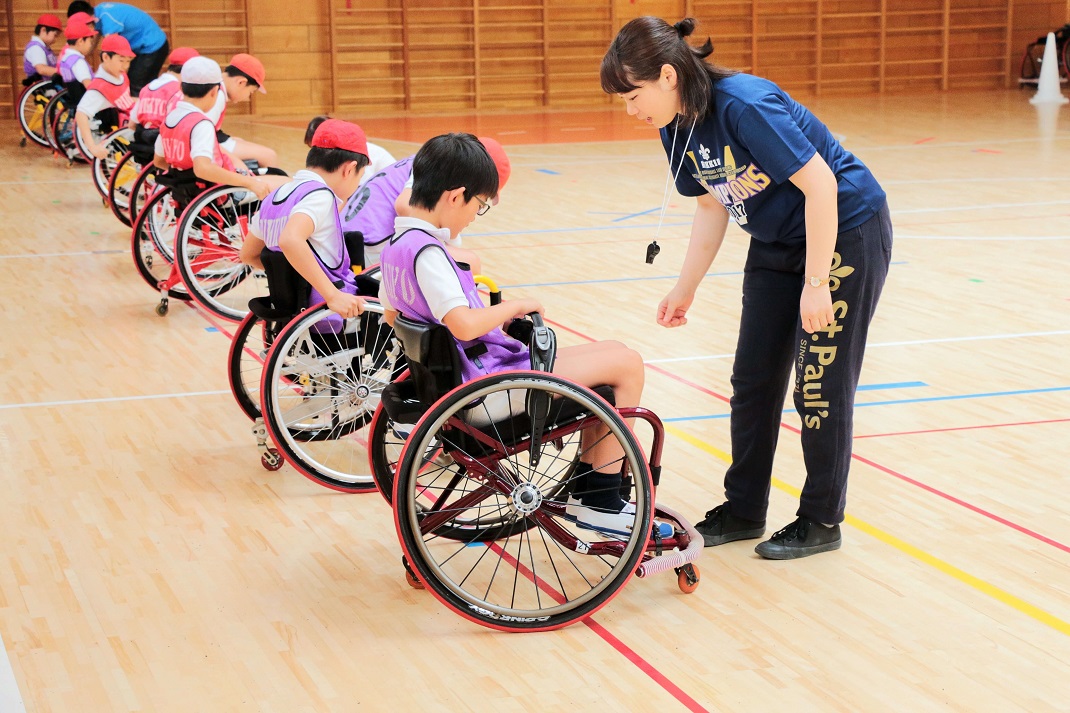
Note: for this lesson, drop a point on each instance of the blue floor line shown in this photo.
(635, 215)
(957, 397)
(898, 385)
(649, 226)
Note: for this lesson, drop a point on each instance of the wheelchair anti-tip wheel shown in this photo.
(31, 110)
(117, 144)
(481, 511)
(208, 245)
(321, 384)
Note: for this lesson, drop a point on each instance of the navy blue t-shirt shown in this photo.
(745, 151)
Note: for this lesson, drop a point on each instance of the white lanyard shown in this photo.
(653, 249)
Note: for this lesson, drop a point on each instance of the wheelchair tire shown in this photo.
(152, 242)
(144, 186)
(30, 110)
(117, 144)
(120, 186)
(245, 363)
(385, 444)
(55, 104)
(207, 250)
(537, 570)
(321, 386)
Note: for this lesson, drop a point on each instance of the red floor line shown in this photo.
(963, 428)
(621, 648)
(862, 459)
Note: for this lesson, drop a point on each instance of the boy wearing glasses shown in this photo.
(385, 195)
(455, 179)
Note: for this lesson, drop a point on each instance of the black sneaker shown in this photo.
(721, 526)
(802, 538)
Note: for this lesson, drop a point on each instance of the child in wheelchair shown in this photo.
(38, 59)
(107, 99)
(187, 141)
(300, 219)
(455, 179)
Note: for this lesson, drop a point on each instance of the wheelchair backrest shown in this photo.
(184, 185)
(434, 363)
(288, 291)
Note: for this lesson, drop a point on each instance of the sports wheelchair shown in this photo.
(1033, 57)
(117, 144)
(186, 243)
(481, 488)
(30, 108)
(311, 380)
(129, 168)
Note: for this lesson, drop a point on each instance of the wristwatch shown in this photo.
(816, 281)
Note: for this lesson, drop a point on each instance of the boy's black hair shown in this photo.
(197, 91)
(79, 6)
(37, 30)
(330, 160)
(73, 42)
(235, 72)
(452, 161)
(176, 68)
(312, 126)
(109, 54)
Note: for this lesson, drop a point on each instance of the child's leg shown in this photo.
(612, 364)
(248, 150)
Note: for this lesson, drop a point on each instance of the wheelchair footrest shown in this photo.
(675, 558)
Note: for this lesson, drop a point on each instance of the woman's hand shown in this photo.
(672, 312)
(815, 308)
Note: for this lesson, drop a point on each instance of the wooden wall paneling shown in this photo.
(577, 36)
(1030, 20)
(731, 27)
(10, 72)
(441, 55)
(851, 46)
(977, 51)
(369, 63)
(787, 33)
(914, 43)
(511, 42)
(296, 56)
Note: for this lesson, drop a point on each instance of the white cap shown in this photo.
(201, 70)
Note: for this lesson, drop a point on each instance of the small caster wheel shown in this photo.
(410, 577)
(105, 202)
(687, 577)
(22, 144)
(271, 460)
(148, 261)
(161, 309)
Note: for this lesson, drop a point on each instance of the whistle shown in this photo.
(652, 251)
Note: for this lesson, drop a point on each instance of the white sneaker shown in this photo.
(609, 523)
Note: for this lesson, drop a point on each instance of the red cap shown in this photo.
(78, 29)
(50, 21)
(338, 134)
(118, 45)
(81, 17)
(251, 66)
(181, 55)
(501, 161)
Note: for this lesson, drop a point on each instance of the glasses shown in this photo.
(483, 206)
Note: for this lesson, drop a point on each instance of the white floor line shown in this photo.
(985, 238)
(114, 399)
(983, 206)
(945, 340)
(22, 183)
(10, 698)
(23, 256)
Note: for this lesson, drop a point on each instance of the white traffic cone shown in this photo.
(1048, 84)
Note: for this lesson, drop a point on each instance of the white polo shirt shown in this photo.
(321, 207)
(434, 272)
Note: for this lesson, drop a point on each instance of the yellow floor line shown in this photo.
(980, 585)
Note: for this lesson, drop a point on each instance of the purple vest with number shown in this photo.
(371, 209)
(67, 64)
(29, 67)
(275, 212)
(489, 354)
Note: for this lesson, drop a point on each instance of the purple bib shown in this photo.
(489, 354)
(275, 212)
(371, 209)
(29, 67)
(67, 64)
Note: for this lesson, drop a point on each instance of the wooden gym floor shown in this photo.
(150, 563)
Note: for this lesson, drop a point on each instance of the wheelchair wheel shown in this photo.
(208, 246)
(153, 239)
(65, 133)
(322, 382)
(523, 566)
(81, 150)
(117, 144)
(245, 363)
(120, 186)
(143, 187)
(386, 441)
(57, 103)
(31, 110)
(1031, 59)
